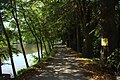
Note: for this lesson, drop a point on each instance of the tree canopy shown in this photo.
(80, 24)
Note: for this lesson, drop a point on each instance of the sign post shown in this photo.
(104, 41)
(104, 51)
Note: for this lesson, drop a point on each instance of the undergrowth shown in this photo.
(45, 58)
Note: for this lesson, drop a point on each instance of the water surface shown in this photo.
(19, 59)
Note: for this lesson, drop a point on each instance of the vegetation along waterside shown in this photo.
(89, 27)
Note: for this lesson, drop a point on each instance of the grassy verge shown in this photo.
(32, 69)
(93, 66)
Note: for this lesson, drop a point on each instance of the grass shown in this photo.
(93, 66)
(31, 68)
(90, 65)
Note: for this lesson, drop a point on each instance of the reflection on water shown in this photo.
(29, 48)
(19, 59)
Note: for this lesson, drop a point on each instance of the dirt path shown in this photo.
(64, 66)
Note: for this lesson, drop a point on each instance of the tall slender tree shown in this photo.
(0, 66)
(15, 16)
(109, 29)
(37, 44)
(9, 46)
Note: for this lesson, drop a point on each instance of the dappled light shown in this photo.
(71, 39)
(63, 66)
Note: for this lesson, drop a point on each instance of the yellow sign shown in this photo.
(104, 41)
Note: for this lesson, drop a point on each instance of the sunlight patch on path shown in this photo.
(63, 67)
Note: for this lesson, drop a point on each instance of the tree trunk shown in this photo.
(119, 35)
(41, 45)
(79, 32)
(83, 15)
(1, 29)
(37, 44)
(41, 48)
(78, 38)
(0, 67)
(108, 23)
(69, 40)
(109, 29)
(40, 38)
(19, 32)
(45, 47)
(49, 46)
(51, 42)
(117, 2)
(9, 46)
(88, 36)
(85, 18)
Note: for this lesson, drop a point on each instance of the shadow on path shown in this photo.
(64, 66)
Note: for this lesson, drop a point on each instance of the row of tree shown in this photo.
(93, 20)
(78, 23)
(26, 22)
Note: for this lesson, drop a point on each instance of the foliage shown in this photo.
(75, 22)
(114, 58)
(22, 71)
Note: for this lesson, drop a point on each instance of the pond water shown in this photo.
(19, 61)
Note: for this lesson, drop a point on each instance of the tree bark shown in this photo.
(85, 18)
(37, 44)
(108, 23)
(40, 38)
(109, 29)
(45, 47)
(117, 2)
(0, 67)
(19, 32)
(50, 49)
(9, 46)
